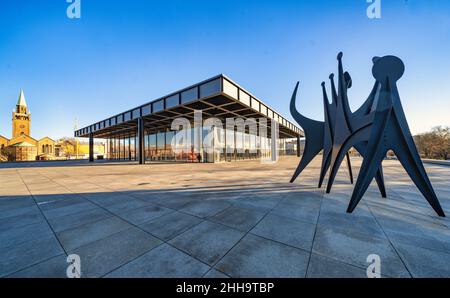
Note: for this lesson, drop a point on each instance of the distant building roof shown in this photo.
(48, 138)
(23, 144)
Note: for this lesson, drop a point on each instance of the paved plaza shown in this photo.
(240, 219)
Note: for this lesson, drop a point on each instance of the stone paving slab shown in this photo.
(125, 206)
(141, 215)
(423, 262)
(69, 209)
(293, 211)
(59, 201)
(176, 201)
(20, 211)
(163, 261)
(16, 236)
(323, 267)
(260, 202)
(205, 208)
(101, 257)
(105, 199)
(213, 273)
(287, 231)
(258, 257)
(18, 257)
(238, 218)
(55, 267)
(352, 222)
(91, 232)
(304, 197)
(354, 248)
(81, 218)
(170, 225)
(20, 220)
(15, 202)
(207, 241)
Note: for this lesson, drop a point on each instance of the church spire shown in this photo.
(21, 117)
(21, 101)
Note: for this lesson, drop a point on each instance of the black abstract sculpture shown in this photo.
(318, 137)
(378, 126)
(347, 124)
(330, 110)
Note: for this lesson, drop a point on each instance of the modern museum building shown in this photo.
(215, 120)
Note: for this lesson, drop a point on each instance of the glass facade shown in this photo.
(122, 147)
(219, 145)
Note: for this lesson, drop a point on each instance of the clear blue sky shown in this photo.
(121, 54)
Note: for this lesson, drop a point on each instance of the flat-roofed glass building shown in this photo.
(234, 125)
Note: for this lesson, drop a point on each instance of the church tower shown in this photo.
(21, 118)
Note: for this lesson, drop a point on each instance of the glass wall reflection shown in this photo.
(219, 145)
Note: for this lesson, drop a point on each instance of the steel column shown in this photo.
(140, 141)
(91, 147)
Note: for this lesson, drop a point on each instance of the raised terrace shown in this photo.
(240, 219)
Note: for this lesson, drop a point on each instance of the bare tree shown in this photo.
(68, 146)
(434, 144)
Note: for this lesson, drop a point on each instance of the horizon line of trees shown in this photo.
(434, 144)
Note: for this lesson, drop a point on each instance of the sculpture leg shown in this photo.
(361, 148)
(369, 168)
(416, 172)
(325, 166)
(373, 156)
(349, 166)
(355, 138)
(380, 182)
(307, 157)
(312, 128)
(335, 166)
